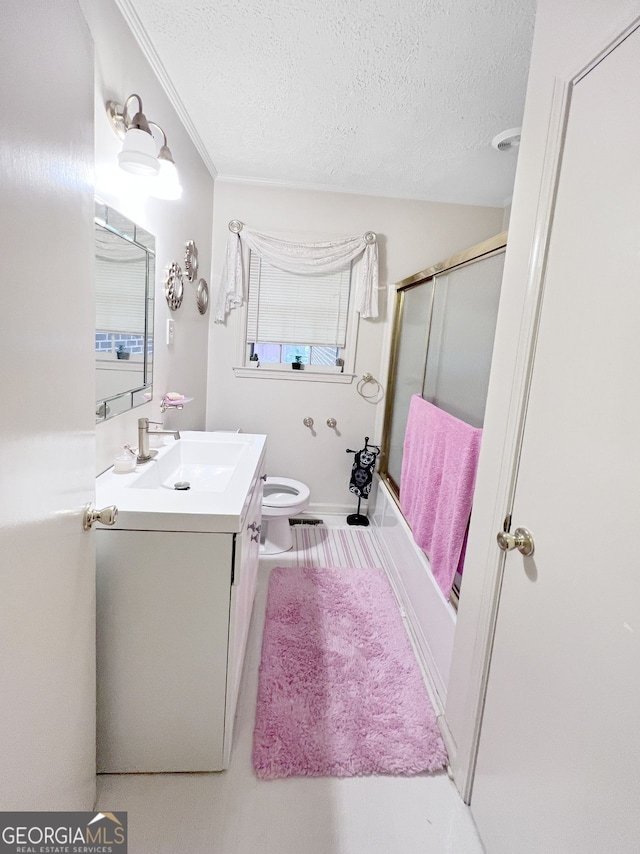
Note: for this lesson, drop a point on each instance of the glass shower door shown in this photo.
(410, 356)
(463, 326)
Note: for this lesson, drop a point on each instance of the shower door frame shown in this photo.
(488, 248)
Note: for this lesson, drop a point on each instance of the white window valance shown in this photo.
(302, 258)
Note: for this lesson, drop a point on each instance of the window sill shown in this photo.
(290, 374)
(112, 363)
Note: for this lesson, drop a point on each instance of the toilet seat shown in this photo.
(282, 498)
(283, 494)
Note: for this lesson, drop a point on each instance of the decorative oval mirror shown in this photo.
(202, 296)
(174, 286)
(191, 260)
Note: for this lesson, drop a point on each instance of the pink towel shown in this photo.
(439, 465)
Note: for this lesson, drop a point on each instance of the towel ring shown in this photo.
(369, 378)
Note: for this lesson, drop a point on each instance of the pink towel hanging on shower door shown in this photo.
(439, 464)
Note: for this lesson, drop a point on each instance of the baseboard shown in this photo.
(317, 509)
(449, 743)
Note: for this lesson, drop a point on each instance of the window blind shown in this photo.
(121, 277)
(297, 309)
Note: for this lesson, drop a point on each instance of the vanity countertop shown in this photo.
(220, 468)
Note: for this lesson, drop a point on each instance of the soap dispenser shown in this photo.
(125, 460)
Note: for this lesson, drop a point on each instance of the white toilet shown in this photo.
(281, 499)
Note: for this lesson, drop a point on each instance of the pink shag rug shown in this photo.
(340, 693)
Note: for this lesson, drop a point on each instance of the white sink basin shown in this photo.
(214, 472)
(205, 466)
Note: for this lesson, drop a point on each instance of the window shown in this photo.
(293, 317)
(288, 353)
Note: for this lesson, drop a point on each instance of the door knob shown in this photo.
(521, 539)
(106, 516)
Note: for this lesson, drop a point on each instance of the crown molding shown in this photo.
(140, 34)
(326, 188)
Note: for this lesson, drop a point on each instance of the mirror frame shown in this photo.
(106, 217)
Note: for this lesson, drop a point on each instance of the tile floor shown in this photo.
(234, 813)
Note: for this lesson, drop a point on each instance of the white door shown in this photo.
(559, 760)
(47, 468)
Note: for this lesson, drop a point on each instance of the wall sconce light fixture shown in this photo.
(140, 154)
(167, 184)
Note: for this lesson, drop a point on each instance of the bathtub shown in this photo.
(430, 617)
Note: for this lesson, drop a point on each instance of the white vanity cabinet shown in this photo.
(243, 591)
(173, 613)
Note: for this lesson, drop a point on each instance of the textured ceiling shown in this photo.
(373, 96)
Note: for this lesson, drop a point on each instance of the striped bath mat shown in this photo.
(318, 546)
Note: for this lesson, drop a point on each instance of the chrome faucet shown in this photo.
(144, 454)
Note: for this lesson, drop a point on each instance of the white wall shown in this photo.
(411, 236)
(121, 69)
(565, 33)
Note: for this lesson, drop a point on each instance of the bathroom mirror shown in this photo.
(125, 277)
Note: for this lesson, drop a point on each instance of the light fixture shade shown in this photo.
(167, 184)
(138, 153)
